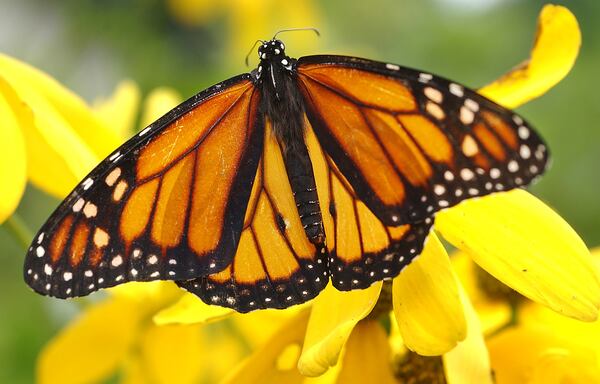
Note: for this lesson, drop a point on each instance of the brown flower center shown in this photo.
(384, 303)
(412, 368)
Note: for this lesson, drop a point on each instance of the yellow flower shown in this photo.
(116, 336)
(535, 344)
(514, 236)
(49, 135)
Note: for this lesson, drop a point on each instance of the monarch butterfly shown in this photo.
(256, 191)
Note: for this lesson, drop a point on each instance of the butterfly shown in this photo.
(257, 191)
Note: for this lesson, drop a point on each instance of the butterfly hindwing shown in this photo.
(410, 143)
(275, 265)
(165, 205)
(361, 248)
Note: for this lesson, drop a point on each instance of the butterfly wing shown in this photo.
(275, 266)
(361, 249)
(168, 204)
(410, 143)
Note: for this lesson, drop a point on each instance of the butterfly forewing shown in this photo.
(165, 205)
(410, 143)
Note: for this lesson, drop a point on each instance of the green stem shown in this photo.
(19, 230)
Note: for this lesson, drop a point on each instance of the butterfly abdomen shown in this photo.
(302, 181)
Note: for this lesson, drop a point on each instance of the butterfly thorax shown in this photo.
(282, 105)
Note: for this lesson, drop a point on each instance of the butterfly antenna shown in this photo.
(315, 30)
(252, 49)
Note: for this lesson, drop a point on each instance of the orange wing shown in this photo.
(410, 144)
(275, 265)
(168, 204)
(361, 248)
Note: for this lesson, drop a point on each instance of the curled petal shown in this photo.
(426, 302)
(526, 245)
(469, 361)
(333, 316)
(553, 54)
(13, 160)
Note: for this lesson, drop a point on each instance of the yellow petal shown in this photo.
(92, 346)
(57, 156)
(13, 160)
(334, 314)
(367, 357)
(493, 314)
(274, 362)
(119, 111)
(173, 353)
(132, 371)
(189, 309)
(426, 302)
(557, 366)
(541, 356)
(149, 297)
(526, 245)
(158, 102)
(595, 252)
(579, 333)
(61, 105)
(257, 327)
(554, 52)
(469, 361)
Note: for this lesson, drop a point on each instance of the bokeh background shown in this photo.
(90, 46)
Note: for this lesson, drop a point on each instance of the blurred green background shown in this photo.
(92, 45)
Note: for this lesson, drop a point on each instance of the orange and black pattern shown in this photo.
(432, 142)
(257, 191)
(165, 205)
(275, 265)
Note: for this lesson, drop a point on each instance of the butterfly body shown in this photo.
(283, 107)
(259, 190)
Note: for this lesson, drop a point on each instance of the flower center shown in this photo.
(411, 368)
(384, 303)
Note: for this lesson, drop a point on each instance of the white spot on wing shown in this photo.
(456, 90)
(87, 184)
(116, 261)
(78, 205)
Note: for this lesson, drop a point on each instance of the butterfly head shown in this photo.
(272, 52)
